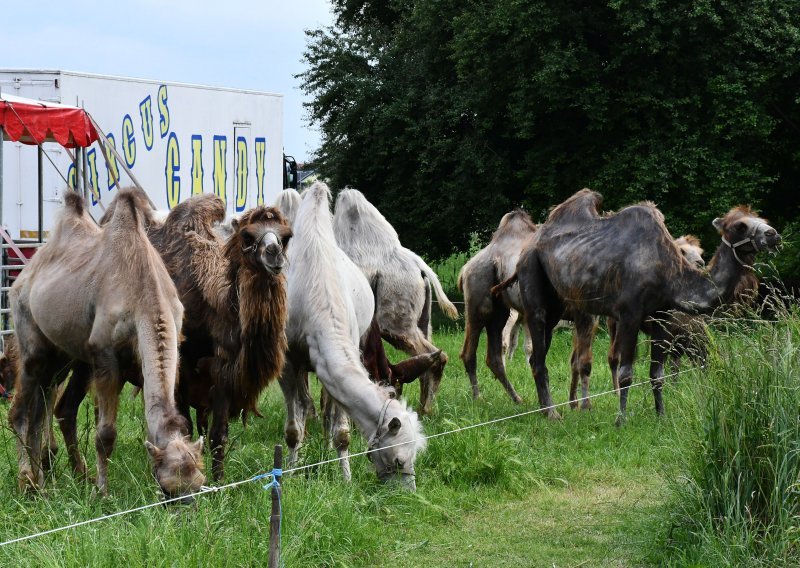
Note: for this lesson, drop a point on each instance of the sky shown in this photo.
(230, 43)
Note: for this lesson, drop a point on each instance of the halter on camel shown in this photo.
(749, 238)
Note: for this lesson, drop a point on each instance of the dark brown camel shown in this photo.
(684, 334)
(234, 296)
(626, 266)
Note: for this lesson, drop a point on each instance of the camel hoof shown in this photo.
(517, 399)
(573, 404)
(586, 405)
(27, 482)
(553, 415)
(476, 394)
(620, 420)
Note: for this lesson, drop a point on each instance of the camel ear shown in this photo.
(234, 224)
(153, 450)
(198, 445)
(394, 426)
(717, 224)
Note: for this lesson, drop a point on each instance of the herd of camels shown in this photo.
(230, 305)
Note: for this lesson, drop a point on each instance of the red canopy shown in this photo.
(31, 122)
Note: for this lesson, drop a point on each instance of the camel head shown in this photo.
(746, 233)
(178, 467)
(263, 235)
(689, 245)
(395, 444)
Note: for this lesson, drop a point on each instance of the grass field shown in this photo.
(522, 492)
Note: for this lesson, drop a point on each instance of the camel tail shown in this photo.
(445, 304)
(497, 290)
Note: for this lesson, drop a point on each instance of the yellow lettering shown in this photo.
(171, 171)
(91, 158)
(112, 167)
(146, 112)
(261, 148)
(163, 110)
(220, 166)
(241, 173)
(197, 164)
(72, 176)
(128, 141)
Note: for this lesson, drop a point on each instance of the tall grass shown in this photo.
(738, 501)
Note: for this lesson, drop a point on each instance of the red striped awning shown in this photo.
(33, 122)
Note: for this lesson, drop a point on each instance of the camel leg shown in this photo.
(581, 359)
(29, 409)
(414, 344)
(337, 431)
(511, 335)
(542, 311)
(66, 412)
(297, 406)
(613, 355)
(472, 335)
(220, 414)
(182, 395)
(658, 351)
(625, 339)
(494, 349)
(107, 386)
(50, 448)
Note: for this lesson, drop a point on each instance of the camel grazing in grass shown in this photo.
(101, 296)
(401, 282)
(330, 309)
(626, 266)
(493, 264)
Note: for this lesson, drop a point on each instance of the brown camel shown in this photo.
(492, 264)
(234, 295)
(626, 266)
(101, 296)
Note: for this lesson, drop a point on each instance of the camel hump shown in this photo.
(142, 205)
(581, 206)
(199, 211)
(127, 213)
(75, 202)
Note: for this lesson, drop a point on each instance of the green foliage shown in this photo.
(447, 113)
(737, 502)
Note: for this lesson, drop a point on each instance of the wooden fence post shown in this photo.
(275, 517)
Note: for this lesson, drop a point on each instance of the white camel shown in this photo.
(330, 308)
(400, 279)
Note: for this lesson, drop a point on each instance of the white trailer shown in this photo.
(177, 140)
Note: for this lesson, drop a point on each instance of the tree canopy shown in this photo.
(448, 113)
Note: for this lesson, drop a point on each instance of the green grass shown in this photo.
(523, 492)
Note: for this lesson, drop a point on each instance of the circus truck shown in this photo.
(174, 139)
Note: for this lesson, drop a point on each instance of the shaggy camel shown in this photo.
(330, 309)
(101, 296)
(492, 264)
(234, 294)
(400, 280)
(626, 266)
(235, 300)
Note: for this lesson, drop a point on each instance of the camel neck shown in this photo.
(697, 292)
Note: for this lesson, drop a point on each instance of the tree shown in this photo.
(449, 113)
